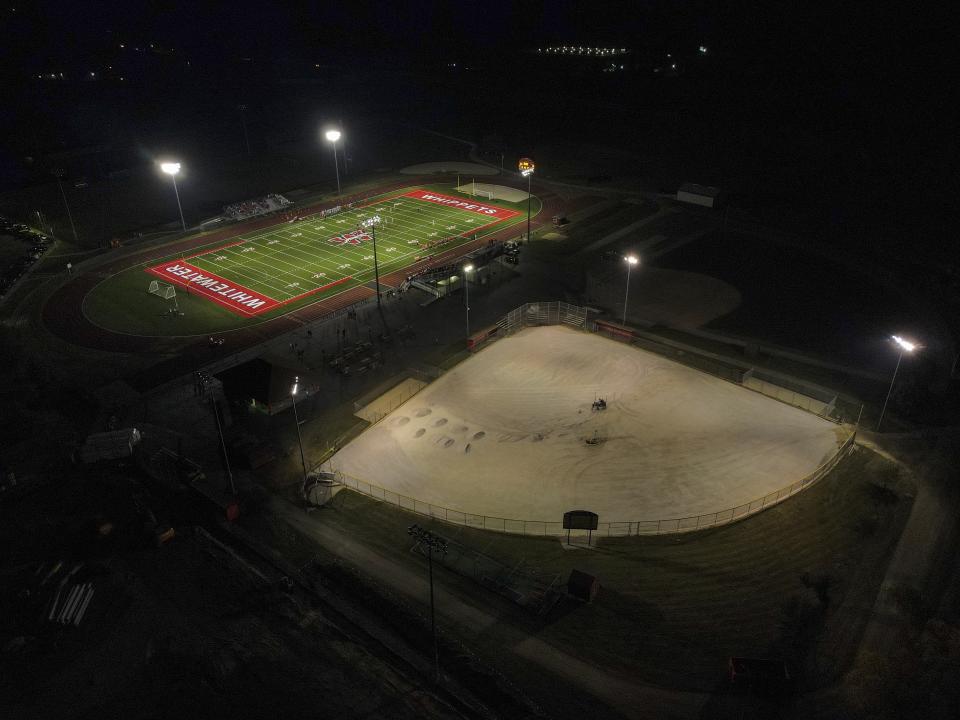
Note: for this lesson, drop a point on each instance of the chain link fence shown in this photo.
(623, 528)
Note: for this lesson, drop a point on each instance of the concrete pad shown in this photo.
(503, 434)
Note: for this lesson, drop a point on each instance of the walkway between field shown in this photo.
(915, 564)
(633, 700)
(661, 212)
(932, 523)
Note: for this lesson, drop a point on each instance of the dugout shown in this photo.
(264, 385)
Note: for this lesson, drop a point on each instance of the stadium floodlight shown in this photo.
(468, 268)
(372, 223)
(631, 260)
(171, 169)
(904, 346)
(526, 167)
(296, 419)
(332, 136)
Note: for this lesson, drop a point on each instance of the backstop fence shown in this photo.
(812, 398)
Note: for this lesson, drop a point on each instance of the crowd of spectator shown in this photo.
(258, 206)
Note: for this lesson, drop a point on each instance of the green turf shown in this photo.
(288, 260)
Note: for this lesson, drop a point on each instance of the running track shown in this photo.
(62, 313)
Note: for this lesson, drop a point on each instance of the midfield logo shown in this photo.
(354, 237)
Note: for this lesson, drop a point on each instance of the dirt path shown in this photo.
(916, 562)
(931, 525)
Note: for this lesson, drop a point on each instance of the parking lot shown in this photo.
(20, 247)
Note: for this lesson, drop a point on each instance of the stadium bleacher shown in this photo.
(258, 206)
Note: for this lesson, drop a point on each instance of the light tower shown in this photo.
(58, 174)
(372, 224)
(332, 137)
(466, 292)
(631, 260)
(434, 543)
(526, 169)
(296, 419)
(171, 169)
(903, 346)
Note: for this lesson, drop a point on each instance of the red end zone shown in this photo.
(222, 291)
(488, 211)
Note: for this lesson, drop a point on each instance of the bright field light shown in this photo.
(905, 344)
(632, 259)
(332, 135)
(170, 168)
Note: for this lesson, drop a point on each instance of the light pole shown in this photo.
(527, 167)
(171, 169)
(466, 293)
(433, 542)
(631, 260)
(207, 381)
(58, 174)
(296, 419)
(332, 136)
(904, 346)
(372, 224)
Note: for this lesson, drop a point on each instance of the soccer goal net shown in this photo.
(167, 292)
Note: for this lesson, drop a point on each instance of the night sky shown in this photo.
(870, 83)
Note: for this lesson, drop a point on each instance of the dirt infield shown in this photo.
(512, 433)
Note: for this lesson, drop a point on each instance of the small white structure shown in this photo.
(698, 194)
(112, 445)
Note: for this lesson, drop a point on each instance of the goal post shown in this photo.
(164, 291)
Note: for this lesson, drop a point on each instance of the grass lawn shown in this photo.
(790, 582)
(229, 284)
(578, 234)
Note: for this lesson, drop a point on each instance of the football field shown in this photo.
(327, 252)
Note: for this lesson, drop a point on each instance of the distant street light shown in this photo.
(466, 291)
(58, 174)
(631, 260)
(332, 136)
(904, 346)
(296, 419)
(171, 169)
(433, 542)
(527, 167)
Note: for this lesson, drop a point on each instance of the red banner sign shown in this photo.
(489, 211)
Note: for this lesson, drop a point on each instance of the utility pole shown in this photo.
(58, 174)
(438, 544)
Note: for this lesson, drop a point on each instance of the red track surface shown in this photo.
(62, 314)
